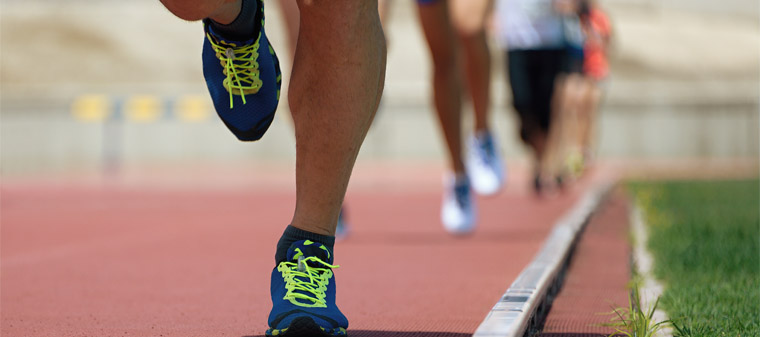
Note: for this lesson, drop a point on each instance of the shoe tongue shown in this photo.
(486, 144)
(307, 248)
(462, 191)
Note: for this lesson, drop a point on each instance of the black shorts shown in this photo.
(532, 74)
(573, 61)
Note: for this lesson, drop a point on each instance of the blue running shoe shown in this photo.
(303, 294)
(243, 78)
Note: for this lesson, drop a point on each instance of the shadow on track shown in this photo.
(371, 333)
(574, 334)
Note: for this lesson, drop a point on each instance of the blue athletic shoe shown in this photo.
(303, 294)
(243, 78)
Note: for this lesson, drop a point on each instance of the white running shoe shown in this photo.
(458, 208)
(484, 164)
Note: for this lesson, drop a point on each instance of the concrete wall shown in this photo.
(679, 90)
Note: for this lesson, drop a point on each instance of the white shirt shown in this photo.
(528, 24)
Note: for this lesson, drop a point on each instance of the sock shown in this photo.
(243, 27)
(461, 179)
(293, 234)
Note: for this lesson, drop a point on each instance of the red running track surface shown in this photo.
(150, 259)
(597, 278)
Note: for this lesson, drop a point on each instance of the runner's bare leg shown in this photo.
(447, 95)
(469, 18)
(335, 88)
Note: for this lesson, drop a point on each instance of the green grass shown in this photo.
(635, 320)
(705, 239)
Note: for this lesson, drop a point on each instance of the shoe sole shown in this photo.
(301, 327)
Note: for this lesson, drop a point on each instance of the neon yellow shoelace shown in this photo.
(307, 280)
(241, 67)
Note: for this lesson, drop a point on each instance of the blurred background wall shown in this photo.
(89, 85)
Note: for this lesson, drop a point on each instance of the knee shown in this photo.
(471, 31)
(469, 22)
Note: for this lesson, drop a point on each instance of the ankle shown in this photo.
(227, 12)
(293, 234)
(236, 20)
